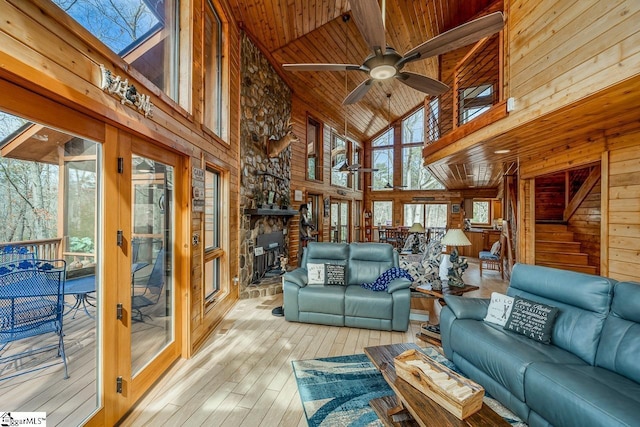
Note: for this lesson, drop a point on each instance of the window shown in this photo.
(382, 159)
(212, 228)
(357, 160)
(215, 105)
(314, 150)
(475, 101)
(382, 213)
(338, 158)
(339, 221)
(429, 215)
(414, 175)
(481, 212)
(143, 33)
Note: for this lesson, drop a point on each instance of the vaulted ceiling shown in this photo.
(313, 31)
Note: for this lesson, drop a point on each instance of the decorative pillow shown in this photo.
(382, 282)
(336, 274)
(495, 248)
(315, 274)
(499, 309)
(327, 274)
(532, 319)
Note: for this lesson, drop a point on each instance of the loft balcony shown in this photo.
(475, 100)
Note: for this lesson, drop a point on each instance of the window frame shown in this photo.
(389, 136)
(317, 147)
(473, 215)
(220, 128)
(215, 252)
(334, 163)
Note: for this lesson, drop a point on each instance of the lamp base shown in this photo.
(457, 268)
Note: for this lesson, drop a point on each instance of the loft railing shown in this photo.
(476, 87)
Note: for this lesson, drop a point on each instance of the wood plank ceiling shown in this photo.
(303, 31)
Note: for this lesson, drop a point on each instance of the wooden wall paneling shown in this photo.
(605, 240)
(623, 214)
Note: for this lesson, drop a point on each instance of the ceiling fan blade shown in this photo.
(368, 19)
(422, 83)
(320, 67)
(458, 37)
(357, 94)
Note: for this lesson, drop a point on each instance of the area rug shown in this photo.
(335, 391)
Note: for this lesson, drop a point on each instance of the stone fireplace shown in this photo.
(265, 181)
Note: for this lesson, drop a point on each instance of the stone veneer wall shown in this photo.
(265, 109)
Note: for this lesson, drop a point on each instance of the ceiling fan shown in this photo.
(385, 62)
(388, 186)
(346, 167)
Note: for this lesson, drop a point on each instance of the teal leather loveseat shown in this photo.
(589, 375)
(349, 305)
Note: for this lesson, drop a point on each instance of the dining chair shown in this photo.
(13, 253)
(493, 259)
(31, 306)
(151, 291)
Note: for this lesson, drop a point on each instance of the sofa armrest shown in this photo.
(297, 277)
(397, 284)
(467, 308)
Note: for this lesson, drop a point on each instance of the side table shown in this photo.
(431, 332)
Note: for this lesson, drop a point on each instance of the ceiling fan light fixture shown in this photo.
(383, 72)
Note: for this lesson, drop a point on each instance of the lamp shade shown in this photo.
(416, 228)
(455, 237)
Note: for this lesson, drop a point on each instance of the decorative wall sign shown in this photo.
(197, 189)
(127, 93)
(297, 195)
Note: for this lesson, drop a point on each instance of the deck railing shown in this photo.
(43, 248)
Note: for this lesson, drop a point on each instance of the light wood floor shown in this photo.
(243, 377)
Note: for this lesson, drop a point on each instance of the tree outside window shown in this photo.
(382, 213)
(338, 157)
(414, 175)
(143, 33)
(481, 212)
(382, 159)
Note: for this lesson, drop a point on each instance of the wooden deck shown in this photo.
(242, 375)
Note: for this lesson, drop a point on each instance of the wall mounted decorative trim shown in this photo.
(127, 93)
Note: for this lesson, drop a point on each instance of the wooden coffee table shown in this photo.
(423, 411)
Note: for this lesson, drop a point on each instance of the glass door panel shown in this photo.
(152, 316)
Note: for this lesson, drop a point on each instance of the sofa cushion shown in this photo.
(503, 355)
(532, 319)
(582, 395)
(367, 261)
(322, 252)
(583, 300)
(360, 302)
(321, 299)
(619, 349)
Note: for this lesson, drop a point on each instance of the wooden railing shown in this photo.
(476, 88)
(44, 248)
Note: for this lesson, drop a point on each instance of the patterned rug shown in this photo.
(335, 391)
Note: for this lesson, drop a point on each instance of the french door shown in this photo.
(340, 221)
(146, 302)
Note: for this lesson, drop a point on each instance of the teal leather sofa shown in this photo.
(350, 305)
(590, 373)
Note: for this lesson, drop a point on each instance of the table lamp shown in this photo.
(455, 237)
(416, 229)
